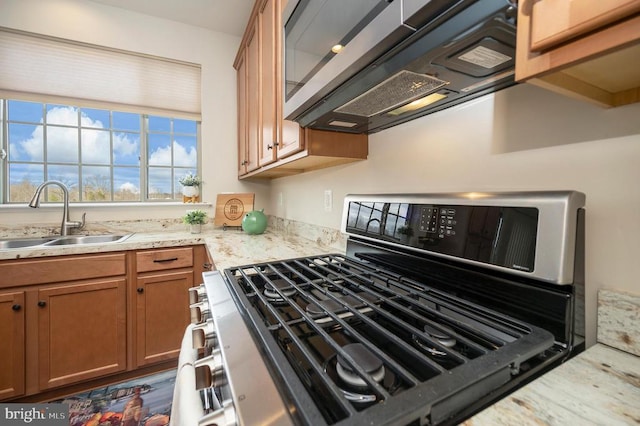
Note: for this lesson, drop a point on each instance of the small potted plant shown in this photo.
(195, 219)
(190, 187)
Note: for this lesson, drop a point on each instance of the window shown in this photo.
(100, 155)
(113, 125)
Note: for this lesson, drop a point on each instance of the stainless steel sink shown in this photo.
(23, 242)
(16, 243)
(87, 239)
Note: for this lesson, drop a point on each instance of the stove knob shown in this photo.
(210, 371)
(197, 294)
(226, 415)
(200, 312)
(204, 335)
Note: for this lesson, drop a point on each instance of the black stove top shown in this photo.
(355, 343)
(441, 305)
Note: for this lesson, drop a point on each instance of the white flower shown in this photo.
(190, 180)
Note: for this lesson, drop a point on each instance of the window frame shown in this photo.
(143, 165)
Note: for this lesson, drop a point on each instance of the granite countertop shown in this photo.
(600, 386)
(227, 248)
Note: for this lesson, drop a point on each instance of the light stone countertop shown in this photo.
(231, 247)
(600, 386)
(135, 241)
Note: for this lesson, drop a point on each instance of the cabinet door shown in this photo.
(201, 262)
(162, 314)
(269, 141)
(12, 337)
(81, 331)
(253, 101)
(243, 131)
(585, 49)
(292, 140)
(557, 21)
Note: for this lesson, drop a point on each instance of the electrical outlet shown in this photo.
(328, 200)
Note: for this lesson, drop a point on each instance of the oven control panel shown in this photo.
(438, 220)
(498, 235)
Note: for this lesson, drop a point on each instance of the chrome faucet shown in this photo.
(66, 223)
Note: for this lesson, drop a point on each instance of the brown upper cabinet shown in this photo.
(248, 90)
(279, 137)
(586, 49)
(266, 141)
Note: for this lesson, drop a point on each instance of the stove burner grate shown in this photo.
(417, 340)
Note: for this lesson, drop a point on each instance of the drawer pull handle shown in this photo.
(42, 303)
(140, 290)
(171, 259)
(16, 307)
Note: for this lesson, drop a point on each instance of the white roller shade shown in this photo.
(61, 69)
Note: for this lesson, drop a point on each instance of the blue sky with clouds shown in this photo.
(26, 144)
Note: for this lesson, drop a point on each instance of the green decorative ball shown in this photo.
(254, 222)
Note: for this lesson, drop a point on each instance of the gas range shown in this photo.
(441, 305)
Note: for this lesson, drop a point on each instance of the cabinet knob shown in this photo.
(16, 307)
(269, 146)
(140, 290)
(207, 266)
(244, 163)
(42, 303)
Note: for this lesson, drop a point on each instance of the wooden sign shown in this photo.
(231, 208)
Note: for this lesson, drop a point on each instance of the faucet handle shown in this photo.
(81, 224)
(76, 224)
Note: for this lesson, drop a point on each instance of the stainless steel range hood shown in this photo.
(433, 55)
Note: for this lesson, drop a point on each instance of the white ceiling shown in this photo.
(226, 16)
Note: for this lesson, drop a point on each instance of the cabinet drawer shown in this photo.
(557, 21)
(59, 269)
(158, 260)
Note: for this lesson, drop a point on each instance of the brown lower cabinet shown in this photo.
(161, 297)
(81, 330)
(68, 320)
(12, 336)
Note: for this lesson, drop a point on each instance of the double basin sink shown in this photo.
(15, 243)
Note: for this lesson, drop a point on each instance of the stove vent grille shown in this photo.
(395, 91)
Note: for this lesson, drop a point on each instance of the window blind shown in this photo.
(50, 69)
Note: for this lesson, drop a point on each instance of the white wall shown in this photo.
(91, 22)
(521, 138)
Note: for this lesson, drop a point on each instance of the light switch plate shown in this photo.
(328, 200)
